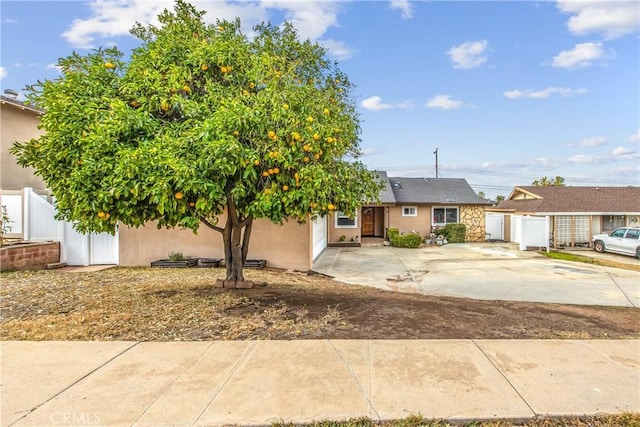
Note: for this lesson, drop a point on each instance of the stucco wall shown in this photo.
(19, 125)
(287, 246)
(406, 224)
(474, 218)
(348, 233)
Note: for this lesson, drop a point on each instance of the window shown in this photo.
(632, 233)
(343, 221)
(445, 215)
(618, 233)
(409, 211)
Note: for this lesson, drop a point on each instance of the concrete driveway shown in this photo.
(489, 271)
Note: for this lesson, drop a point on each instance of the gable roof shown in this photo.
(551, 199)
(386, 195)
(451, 191)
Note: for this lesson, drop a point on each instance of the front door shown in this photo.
(368, 217)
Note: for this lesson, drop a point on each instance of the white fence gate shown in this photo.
(530, 231)
(494, 226)
(33, 218)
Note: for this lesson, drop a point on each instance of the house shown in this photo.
(574, 214)
(409, 204)
(419, 205)
(18, 122)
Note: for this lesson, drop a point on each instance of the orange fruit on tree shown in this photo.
(285, 187)
(316, 136)
(109, 65)
(310, 119)
(186, 88)
(101, 214)
(276, 170)
(270, 172)
(329, 139)
(285, 106)
(256, 162)
(313, 205)
(306, 147)
(265, 173)
(305, 159)
(326, 111)
(178, 195)
(164, 106)
(192, 204)
(271, 134)
(236, 133)
(220, 28)
(316, 156)
(204, 67)
(134, 104)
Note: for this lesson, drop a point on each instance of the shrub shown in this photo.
(392, 232)
(454, 233)
(410, 240)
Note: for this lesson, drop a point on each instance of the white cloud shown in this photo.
(404, 7)
(54, 67)
(544, 93)
(581, 158)
(622, 152)
(337, 49)
(635, 137)
(444, 102)
(595, 141)
(109, 19)
(468, 55)
(3, 72)
(311, 19)
(10, 21)
(611, 19)
(582, 55)
(374, 103)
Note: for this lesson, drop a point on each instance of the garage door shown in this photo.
(319, 236)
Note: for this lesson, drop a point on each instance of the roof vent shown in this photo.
(10, 93)
(396, 185)
(451, 200)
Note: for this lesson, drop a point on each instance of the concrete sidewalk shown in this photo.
(258, 382)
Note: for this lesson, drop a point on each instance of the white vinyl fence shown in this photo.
(530, 231)
(494, 226)
(33, 218)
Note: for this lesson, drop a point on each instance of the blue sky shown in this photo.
(507, 92)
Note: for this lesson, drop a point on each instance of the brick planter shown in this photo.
(29, 256)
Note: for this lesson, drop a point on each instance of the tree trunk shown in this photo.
(236, 242)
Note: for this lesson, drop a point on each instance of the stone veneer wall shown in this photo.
(474, 218)
(29, 256)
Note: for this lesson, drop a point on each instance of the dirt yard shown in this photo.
(156, 304)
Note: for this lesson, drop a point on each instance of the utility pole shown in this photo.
(436, 153)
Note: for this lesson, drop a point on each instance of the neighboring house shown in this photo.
(574, 214)
(419, 205)
(18, 122)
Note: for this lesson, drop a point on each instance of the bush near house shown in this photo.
(454, 233)
(411, 240)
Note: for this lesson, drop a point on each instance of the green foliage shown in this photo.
(558, 181)
(454, 233)
(200, 119)
(5, 228)
(177, 256)
(500, 198)
(393, 232)
(410, 240)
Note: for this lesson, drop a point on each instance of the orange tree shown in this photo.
(201, 125)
